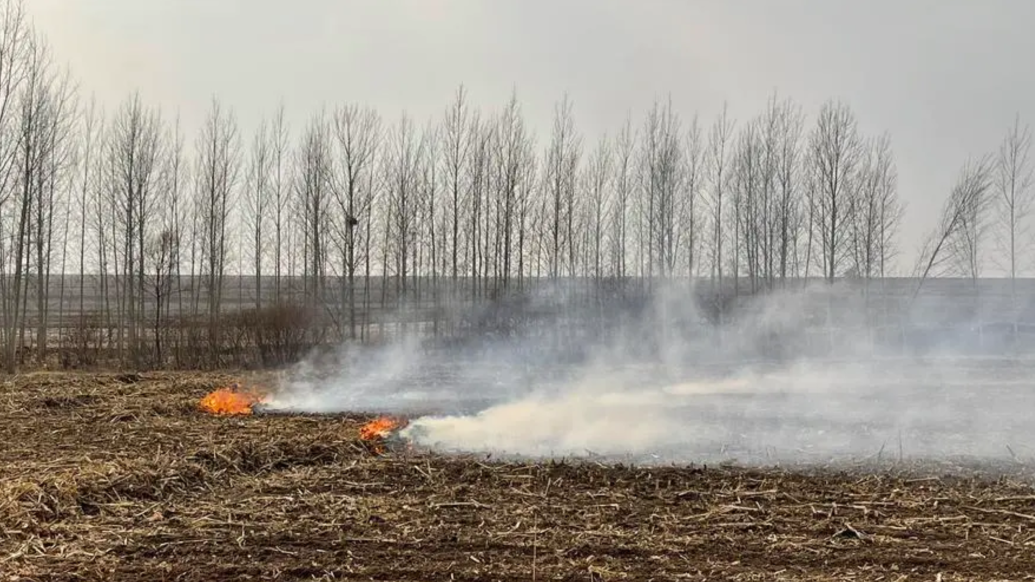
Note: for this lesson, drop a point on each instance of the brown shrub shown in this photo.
(281, 334)
(83, 341)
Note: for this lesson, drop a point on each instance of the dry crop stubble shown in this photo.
(105, 477)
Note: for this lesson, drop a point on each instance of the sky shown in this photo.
(945, 78)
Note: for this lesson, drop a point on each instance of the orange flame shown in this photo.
(380, 428)
(230, 401)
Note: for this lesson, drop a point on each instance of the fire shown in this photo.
(229, 401)
(380, 428)
(376, 431)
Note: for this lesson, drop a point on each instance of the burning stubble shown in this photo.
(705, 396)
(231, 401)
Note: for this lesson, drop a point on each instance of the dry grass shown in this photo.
(109, 478)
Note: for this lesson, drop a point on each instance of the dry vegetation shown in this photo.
(108, 477)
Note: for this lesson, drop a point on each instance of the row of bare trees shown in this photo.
(353, 212)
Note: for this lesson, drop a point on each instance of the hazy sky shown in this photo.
(945, 77)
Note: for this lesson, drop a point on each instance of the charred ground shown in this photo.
(106, 477)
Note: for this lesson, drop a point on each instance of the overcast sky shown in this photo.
(945, 77)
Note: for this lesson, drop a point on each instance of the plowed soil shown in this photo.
(108, 477)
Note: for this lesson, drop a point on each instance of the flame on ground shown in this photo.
(380, 428)
(230, 401)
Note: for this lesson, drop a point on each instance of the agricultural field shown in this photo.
(124, 477)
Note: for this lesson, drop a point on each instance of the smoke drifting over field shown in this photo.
(664, 386)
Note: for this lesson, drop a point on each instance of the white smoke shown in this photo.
(699, 395)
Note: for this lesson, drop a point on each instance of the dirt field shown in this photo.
(121, 478)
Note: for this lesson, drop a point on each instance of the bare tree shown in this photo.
(49, 114)
(597, 183)
(27, 161)
(618, 232)
(478, 169)
(258, 200)
(312, 181)
(371, 193)
(91, 125)
(510, 155)
(892, 210)
(16, 41)
(160, 263)
(60, 162)
(16, 38)
(835, 153)
(718, 177)
(217, 174)
(494, 200)
(1014, 195)
(966, 243)
(167, 260)
(692, 184)
(527, 196)
(357, 132)
(430, 249)
(457, 144)
(790, 129)
(878, 211)
(132, 159)
(101, 220)
(941, 250)
(561, 162)
(661, 194)
(767, 215)
(279, 195)
(746, 181)
(403, 159)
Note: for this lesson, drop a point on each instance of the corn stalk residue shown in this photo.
(231, 401)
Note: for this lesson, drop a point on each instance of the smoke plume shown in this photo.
(669, 383)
